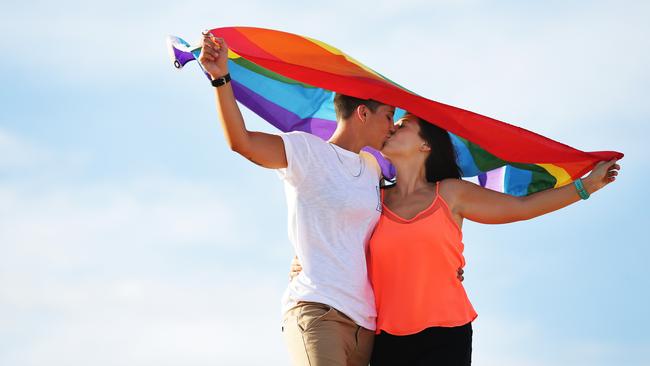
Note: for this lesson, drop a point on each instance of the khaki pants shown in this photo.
(319, 335)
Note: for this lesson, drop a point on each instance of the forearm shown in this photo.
(489, 207)
(232, 122)
(264, 149)
(550, 200)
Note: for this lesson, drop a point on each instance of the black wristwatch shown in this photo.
(221, 81)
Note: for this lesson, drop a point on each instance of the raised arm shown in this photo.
(263, 149)
(489, 207)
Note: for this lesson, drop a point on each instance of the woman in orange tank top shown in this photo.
(423, 313)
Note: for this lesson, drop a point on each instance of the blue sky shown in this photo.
(130, 234)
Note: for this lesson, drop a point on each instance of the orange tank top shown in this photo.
(413, 267)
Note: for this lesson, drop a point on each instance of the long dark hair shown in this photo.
(441, 162)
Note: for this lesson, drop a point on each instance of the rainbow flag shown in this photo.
(290, 81)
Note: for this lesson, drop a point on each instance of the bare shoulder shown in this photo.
(452, 185)
(452, 188)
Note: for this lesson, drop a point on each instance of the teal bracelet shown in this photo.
(582, 192)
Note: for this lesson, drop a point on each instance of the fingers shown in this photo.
(608, 170)
(209, 52)
(606, 162)
(295, 268)
(221, 43)
(211, 48)
(612, 164)
(210, 38)
(294, 271)
(611, 176)
(207, 56)
(211, 42)
(612, 170)
(612, 173)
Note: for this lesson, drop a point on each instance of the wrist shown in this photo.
(589, 184)
(220, 81)
(220, 74)
(581, 190)
(223, 71)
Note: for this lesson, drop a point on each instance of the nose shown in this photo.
(391, 128)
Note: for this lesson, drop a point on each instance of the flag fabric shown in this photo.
(290, 80)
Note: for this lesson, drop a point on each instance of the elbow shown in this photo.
(238, 146)
(241, 150)
(235, 147)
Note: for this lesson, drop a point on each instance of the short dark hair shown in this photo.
(345, 105)
(442, 160)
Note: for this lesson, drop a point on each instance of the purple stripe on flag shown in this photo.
(183, 57)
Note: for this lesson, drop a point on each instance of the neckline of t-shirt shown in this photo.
(345, 161)
(347, 152)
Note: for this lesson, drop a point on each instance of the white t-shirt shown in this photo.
(332, 215)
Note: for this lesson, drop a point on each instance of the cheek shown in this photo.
(381, 125)
(395, 143)
(405, 142)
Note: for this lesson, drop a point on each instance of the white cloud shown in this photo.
(15, 152)
(136, 274)
(149, 270)
(21, 156)
(191, 320)
(71, 223)
(555, 75)
(503, 340)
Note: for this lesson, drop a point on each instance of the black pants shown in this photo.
(432, 346)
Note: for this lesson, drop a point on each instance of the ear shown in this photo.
(425, 147)
(361, 112)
